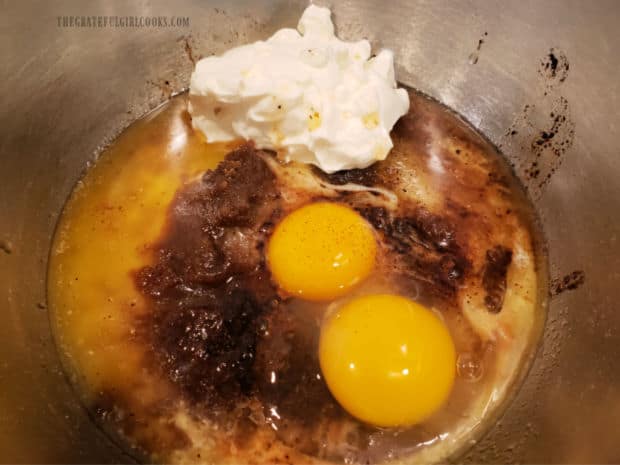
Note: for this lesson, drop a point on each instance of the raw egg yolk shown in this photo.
(387, 360)
(320, 251)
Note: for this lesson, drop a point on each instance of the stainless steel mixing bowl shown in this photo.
(68, 90)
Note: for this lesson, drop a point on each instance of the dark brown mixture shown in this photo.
(364, 177)
(217, 328)
(494, 277)
(209, 287)
(426, 247)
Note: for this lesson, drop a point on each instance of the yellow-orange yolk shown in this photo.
(387, 360)
(320, 251)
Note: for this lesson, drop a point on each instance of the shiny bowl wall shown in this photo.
(510, 68)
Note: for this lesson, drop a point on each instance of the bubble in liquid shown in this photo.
(469, 368)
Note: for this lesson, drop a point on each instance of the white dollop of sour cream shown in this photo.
(303, 93)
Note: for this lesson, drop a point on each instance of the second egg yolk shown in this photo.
(320, 251)
(387, 360)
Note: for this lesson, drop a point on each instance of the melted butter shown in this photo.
(119, 208)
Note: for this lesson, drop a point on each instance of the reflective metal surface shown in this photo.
(65, 91)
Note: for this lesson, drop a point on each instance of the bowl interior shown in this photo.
(510, 69)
